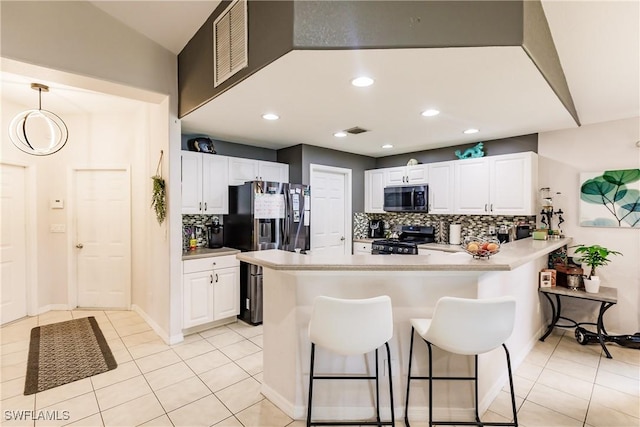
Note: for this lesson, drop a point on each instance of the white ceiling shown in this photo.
(494, 89)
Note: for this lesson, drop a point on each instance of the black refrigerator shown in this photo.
(264, 215)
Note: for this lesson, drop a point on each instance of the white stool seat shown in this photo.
(467, 327)
(351, 327)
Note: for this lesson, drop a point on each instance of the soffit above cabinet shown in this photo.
(488, 65)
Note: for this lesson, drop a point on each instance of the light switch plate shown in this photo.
(57, 204)
(58, 228)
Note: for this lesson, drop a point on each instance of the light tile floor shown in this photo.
(213, 378)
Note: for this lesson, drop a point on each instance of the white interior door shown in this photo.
(330, 209)
(103, 238)
(13, 252)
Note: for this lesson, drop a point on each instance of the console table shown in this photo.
(607, 298)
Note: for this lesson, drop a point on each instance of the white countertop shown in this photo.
(206, 252)
(511, 255)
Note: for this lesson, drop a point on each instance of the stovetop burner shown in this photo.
(407, 243)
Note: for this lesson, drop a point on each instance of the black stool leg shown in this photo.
(475, 383)
(513, 392)
(406, 403)
(430, 384)
(313, 350)
(377, 390)
(393, 417)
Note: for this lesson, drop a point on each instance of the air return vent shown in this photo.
(356, 130)
(230, 42)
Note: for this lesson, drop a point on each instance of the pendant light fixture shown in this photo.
(38, 132)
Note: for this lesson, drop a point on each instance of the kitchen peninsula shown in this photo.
(414, 283)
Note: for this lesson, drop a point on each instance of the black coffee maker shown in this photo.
(376, 229)
(214, 235)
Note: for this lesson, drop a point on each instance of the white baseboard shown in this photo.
(174, 339)
(51, 307)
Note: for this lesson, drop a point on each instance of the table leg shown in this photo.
(600, 327)
(555, 315)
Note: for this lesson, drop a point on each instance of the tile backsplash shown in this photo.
(197, 223)
(472, 225)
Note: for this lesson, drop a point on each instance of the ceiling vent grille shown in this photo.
(356, 130)
(230, 42)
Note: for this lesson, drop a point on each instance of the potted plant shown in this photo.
(594, 256)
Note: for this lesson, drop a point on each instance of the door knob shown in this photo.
(342, 239)
(79, 246)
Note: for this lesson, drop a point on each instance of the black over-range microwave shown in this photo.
(406, 199)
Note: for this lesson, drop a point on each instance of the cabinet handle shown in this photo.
(485, 207)
(205, 206)
(216, 277)
(211, 278)
(491, 207)
(200, 206)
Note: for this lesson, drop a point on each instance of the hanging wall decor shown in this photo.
(38, 132)
(159, 193)
(610, 198)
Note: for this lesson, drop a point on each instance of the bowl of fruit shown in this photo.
(480, 248)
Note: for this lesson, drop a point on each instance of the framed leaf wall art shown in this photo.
(610, 198)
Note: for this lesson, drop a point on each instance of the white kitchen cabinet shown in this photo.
(440, 187)
(204, 183)
(471, 186)
(496, 185)
(243, 170)
(361, 248)
(407, 175)
(374, 191)
(211, 289)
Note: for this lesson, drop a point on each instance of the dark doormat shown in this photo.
(64, 352)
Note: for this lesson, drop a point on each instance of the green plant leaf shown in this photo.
(598, 191)
(620, 177)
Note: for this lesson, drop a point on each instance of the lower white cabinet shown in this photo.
(361, 248)
(211, 289)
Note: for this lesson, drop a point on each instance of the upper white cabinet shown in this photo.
(513, 184)
(204, 183)
(496, 185)
(440, 185)
(243, 170)
(374, 190)
(417, 174)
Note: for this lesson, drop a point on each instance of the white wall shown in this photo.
(76, 44)
(605, 146)
(95, 140)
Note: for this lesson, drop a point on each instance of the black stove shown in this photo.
(409, 238)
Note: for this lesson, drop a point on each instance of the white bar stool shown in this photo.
(467, 327)
(351, 327)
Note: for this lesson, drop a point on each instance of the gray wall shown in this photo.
(293, 157)
(232, 149)
(516, 144)
(406, 24)
(270, 30)
(299, 157)
(357, 163)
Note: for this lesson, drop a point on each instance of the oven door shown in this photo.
(406, 199)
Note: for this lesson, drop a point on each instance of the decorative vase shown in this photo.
(592, 285)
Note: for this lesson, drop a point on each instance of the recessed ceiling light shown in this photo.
(340, 134)
(430, 113)
(270, 116)
(470, 131)
(362, 81)
(387, 146)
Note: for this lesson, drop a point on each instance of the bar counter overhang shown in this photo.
(414, 283)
